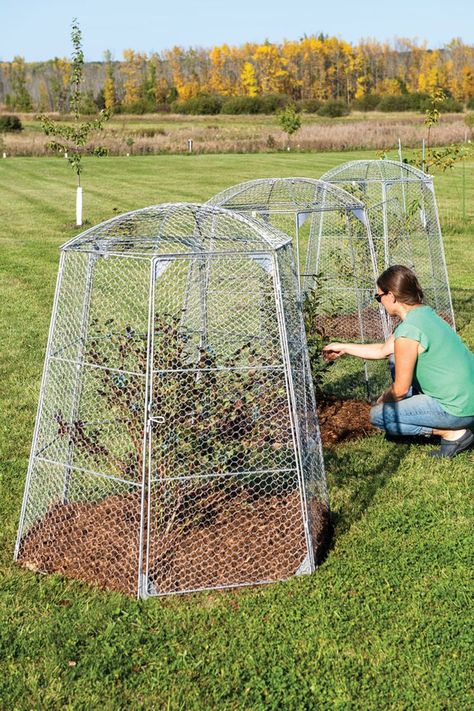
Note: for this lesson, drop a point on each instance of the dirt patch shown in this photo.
(344, 420)
(347, 326)
(94, 541)
(226, 541)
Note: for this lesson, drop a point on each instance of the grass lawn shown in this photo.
(385, 621)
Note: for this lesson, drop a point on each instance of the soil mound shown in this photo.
(245, 539)
(344, 420)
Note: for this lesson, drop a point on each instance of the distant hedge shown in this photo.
(242, 105)
(205, 104)
(447, 106)
(308, 106)
(395, 103)
(369, 102)
(211, 104)
(333, 109)
(9, 123)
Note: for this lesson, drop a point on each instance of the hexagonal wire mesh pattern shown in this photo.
(176, 445)
(404, 222)
(337, 264)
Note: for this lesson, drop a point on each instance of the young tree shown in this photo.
(73, 140)
(290, 121)
(446, 156)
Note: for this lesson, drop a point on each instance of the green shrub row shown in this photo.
(272, 103)
(211, 104)
(266, 104)
(405, 102)
(10, 123)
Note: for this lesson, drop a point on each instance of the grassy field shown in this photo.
(384, 623)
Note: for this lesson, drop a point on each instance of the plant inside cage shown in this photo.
(174, 458)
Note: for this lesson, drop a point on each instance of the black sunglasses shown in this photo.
(378, 297)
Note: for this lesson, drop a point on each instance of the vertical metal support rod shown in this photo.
(443, 257)
(356, 280)
(204, 273)
(297, 242)
(385, 226)
(145, 503)
(373, 261)
(292, 407)
(187, 292)
(401, 175)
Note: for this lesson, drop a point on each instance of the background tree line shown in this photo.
(251, 78)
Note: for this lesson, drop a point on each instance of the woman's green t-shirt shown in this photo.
(445, 369)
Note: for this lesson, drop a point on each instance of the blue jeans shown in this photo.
(416, 415)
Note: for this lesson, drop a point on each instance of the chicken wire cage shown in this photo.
(403, 215)
(337, 267)
(176, 445)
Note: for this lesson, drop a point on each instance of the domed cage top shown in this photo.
(337, 266)
(176, 446)
(404, 221)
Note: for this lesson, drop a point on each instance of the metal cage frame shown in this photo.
(338, 260)
(403, 214)
(176, 409)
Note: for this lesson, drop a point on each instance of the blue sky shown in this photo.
(40, 30)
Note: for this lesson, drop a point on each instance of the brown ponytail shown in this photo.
(403, 284)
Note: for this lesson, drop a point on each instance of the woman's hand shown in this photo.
(333, 351)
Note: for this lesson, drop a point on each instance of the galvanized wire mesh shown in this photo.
(403, 215)
(336, 258)
(176, 446)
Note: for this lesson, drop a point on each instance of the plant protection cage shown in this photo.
(337, 265)
(176, 446)
(404, 222)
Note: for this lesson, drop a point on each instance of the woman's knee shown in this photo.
(376, 416)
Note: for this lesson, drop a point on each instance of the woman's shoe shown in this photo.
(450, 449)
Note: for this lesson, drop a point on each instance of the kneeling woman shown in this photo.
(430, 360)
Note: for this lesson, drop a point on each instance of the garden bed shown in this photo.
(344, 420)
(246, 538)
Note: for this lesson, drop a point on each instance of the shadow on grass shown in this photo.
(356, 472)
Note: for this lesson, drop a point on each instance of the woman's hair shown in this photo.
(403, 284)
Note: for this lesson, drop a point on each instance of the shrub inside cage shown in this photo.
(404, 222)
(176, 446)
(337, 267)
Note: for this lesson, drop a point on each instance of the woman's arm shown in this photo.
(368, 351)
(406, 353)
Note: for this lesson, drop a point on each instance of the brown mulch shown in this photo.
(93, 541)
(220, 540)
(245, 539)
(347, 326)
(344, 420)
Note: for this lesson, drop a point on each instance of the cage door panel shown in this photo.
(221, 440)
